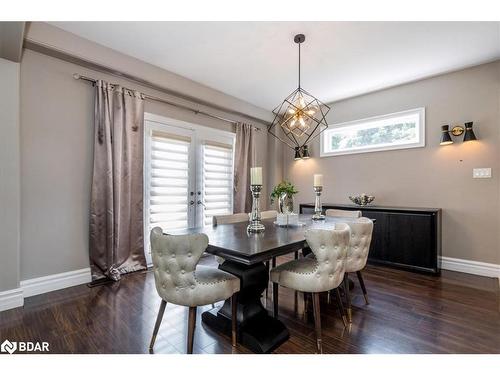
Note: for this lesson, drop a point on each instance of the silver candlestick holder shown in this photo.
(318, 215)
(255, 225)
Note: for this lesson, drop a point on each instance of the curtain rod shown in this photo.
(157, 99)
(52, 51)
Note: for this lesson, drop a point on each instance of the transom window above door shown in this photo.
(188, 174)
(388, 132)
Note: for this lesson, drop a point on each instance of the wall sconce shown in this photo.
(457, 131)
(469, 133)
(302, 152)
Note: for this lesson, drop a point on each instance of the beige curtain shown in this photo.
(116, 211)
(244, 159)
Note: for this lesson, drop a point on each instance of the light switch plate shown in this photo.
(481, 173)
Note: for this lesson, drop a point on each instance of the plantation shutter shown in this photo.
(168, 181)
(217, 159)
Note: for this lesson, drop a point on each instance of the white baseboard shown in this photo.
(470, 266)
(11, 299)
(49, 283)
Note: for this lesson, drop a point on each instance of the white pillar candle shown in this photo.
(318, 180)
(256, 176)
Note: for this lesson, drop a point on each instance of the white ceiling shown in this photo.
(257, 61)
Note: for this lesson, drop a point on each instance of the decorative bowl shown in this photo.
(362, 199)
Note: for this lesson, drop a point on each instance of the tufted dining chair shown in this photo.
(357, 255)
(239, 218)
(342, 213)
(179, 280)
(271, 214)
(321, 273)
(229, 219)
(336, 213)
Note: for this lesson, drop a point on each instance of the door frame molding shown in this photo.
(200, 133)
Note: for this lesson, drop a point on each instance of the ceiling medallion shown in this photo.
(300, 118)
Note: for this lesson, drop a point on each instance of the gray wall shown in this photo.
(56, 152)
(9, 175)
(434, 176)
(11, 40)
(56, 148)
(47, 35)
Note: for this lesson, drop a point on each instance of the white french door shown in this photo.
(188, 175)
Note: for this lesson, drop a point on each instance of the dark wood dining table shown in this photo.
(245, 255)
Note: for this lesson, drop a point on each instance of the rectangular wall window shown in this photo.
(389, 132)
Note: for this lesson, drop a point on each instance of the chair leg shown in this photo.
(296, 255)
(191, 326)
(340, 306)
(158, 323)
(317, 321)
(306, 303)
(347, 297)
(268, 269)
(274, 262)
(306, 251)
(363, 288)
(234, 319)
(275, 300)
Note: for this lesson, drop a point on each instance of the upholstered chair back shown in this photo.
(330, 250)
(271, 214)
(342, 213)
(359, 245)
(174, 260)
(229, 219)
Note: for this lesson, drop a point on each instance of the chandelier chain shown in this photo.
(299, 64)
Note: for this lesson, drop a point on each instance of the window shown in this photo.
(389, 132)
(188, 175)
(217, 180)
(168, 179)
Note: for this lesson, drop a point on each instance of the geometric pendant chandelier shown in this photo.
(300, 118)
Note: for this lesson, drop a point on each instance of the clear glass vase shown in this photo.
(285, 203)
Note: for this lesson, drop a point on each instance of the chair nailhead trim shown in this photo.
(211, 283)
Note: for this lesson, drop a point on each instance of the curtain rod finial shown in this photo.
(76, 76)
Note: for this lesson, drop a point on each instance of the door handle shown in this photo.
(200, 202)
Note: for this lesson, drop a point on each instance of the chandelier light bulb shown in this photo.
(311, 111)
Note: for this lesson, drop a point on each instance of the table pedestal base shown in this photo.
(257, 330)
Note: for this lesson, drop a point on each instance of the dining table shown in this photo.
(245, 255)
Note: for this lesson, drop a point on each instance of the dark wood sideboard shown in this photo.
(403, 237)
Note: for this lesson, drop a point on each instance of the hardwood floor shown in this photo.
(409, 313)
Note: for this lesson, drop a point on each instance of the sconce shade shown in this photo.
(297, 153)
(302, 152)
(445, 136)
(469, 133)
(305, 152)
